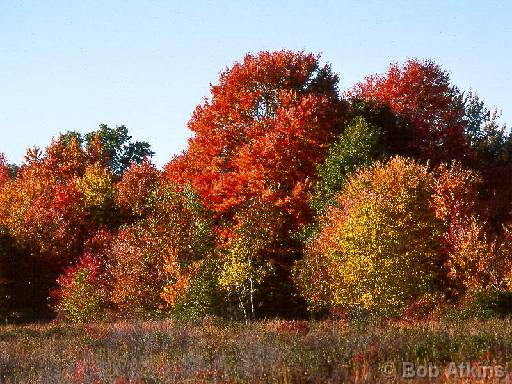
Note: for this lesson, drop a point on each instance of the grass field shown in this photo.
(261, 352)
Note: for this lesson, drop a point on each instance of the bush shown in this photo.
(202, 298)
(493, 303)
(483, 304)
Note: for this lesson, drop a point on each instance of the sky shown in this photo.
(67, 65)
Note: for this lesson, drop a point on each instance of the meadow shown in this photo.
(276, 351)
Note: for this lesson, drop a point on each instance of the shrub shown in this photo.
(202, 296)
(493, 302)
(481, 304)
(470, 256)
(136, 266)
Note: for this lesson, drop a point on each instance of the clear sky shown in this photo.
(67, 65)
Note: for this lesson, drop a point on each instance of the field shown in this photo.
(262, 352)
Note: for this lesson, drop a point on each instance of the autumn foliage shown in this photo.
(290, 195)
(267, 124)
(380, 248)
(421, 97)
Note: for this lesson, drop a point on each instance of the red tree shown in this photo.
(419, 93)
(135, 188)
(41, 207)
(45, 215)
(257, 141)
(260, 135)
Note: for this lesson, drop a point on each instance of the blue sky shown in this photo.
(68, 65)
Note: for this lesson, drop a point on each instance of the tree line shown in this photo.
(292, 198)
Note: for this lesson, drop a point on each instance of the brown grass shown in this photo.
(261, 352)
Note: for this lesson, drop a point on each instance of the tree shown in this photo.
(41, 207)
(117, 146)
(261, 133)
(487, 138)
(244, 258)
(260, 136)
(154, 262)
(82, 294)
(5, 171)
(135, 190)
(455, 203)
(358, 146)
(491, 154)
(96, 188)
(380, 248)
(113, 146)
(419, 93)
(42, 215)
(60, 198)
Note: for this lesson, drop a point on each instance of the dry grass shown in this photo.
(262, 352)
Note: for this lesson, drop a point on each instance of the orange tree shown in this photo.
(259, 137)
(136, 189)
(478, 257)
(401, 232)
(60, 196)
(5, 172)
(43, 215)
(157, 263)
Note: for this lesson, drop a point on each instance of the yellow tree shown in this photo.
(380, 249)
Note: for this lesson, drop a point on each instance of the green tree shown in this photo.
(119, 147)
(486, 136)
(115, 145)
(358, 146)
